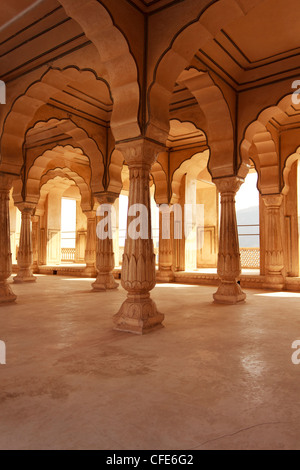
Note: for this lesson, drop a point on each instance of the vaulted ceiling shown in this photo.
(36, 38)
(260, 48)
(152, 6)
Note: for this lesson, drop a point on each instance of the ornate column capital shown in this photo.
(141, 153)
(6, 182)
(230, 184)
(106, 197)
(90, 214)
(273, 201)
(26, 208)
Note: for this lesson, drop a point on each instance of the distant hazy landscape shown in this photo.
(249, 216)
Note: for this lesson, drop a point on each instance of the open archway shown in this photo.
(23, 110)
(180, 53)
(116, 57)
(260, 145)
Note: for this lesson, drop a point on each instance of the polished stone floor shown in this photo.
(216, 377)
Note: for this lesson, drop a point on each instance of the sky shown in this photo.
(248, 195)
(68, 223)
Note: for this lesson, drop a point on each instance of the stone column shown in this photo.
(25, 255)
(35, 243)
(6, 294)
(105, 258)
(229, 260)
(274, 258)
(139, 314)
(165, 273)
(90, 251)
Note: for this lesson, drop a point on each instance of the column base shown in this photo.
(105, 282)
(138, 315)
(6, 294)
(165, 276)
(90, 271)
(274, 282)
(229, 293)
(35, 269)
(24, 276)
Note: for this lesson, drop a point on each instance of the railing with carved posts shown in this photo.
(250, 258)
(68, 254)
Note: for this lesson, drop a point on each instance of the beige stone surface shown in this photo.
(216, 377)
(166, 102)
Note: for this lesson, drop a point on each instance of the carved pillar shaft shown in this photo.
(35, 243)
(6, 294)
(274, 257)
(90, 251)
(25, 255)
(139, 314)
(105, 258)
(165, 273)
(229, 262)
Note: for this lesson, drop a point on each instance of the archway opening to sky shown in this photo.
(68, 229)
(248, 218)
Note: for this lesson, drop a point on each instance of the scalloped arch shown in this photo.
(212, 19)
(161, 184)
(86, 197)
(195, 165)
(49, 161)
(258, 145)
(287, 169)
(218, 127)
(118, 60)
(87, 145)
(24, 108)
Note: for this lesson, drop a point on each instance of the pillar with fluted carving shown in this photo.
(165, 272)
(105, 258)
(35, 243)
(6, 294)
(229, 260)
(139, 314)
(90, 250)
(274, 257)
(25, 254)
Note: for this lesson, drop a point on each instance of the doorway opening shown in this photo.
(68, 230)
